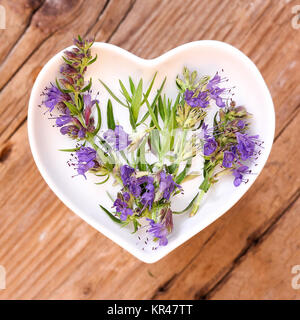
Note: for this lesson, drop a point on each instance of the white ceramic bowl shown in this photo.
(83, 196)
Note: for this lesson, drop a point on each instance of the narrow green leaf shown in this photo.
(188, 207)
(71, 107)
(136, 100)
(67, 61)
(161, 108)
(87, 87)
(131, 119)
(113, 95)
(99, 119)
(153, 116)
(125, 92)
(110, 116)
(136, 224)
(93, 60)
(149, 89)
(132, 86)
(69, 150)
(184, 172)
(102, 182)
(111, 216)
(143, 119)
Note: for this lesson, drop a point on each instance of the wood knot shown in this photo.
(5, 152)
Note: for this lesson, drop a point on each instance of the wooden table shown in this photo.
(50, 253)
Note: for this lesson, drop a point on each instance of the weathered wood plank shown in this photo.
(267, 271)
(18, 16)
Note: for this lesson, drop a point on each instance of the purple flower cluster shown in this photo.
(159, 231)
(215, 91)
(200, 99)
(122, 206)
(86, 160)
(118, 138)
(76, 64)
(72, 126)
(231, 145)
(54, 97)
(141, 188)
(166, 185)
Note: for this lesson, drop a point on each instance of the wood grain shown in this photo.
(50, 253)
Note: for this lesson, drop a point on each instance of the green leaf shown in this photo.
(110, 116)
(136, 224)
(125, 92)
(71, 107)
(67, 61)
(99, 119)
(161, 108)
(79, 38)
(69, 150)
(184, 172)
(113, 95)
(153, 116)
(132, 86)
(149, 89)
(87, 87)
(111, 216)
(131, 119)
(136, 100)
(93, 60)
(171, 168)
(143, 119)
(80, 102)
(102, 182)
(188, 207)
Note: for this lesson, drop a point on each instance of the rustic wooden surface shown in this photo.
(50, 253)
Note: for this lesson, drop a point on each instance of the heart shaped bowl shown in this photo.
(84, 196)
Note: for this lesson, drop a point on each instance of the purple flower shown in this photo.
(122, 207)
(241, 124)
(126, 173)
(210, 146)
(86, 160)
(246, 145)
(64, 119)
(118, 137)
(54, 96)
(134, 187)
(214, 91)
(71, 130)
(148, 191)
(215, 94)
(88, 104)
(228, 159)
(212, 83)
(199, 101)
(167, 185)
(238, 174)
(126, 196)
(159, 231)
